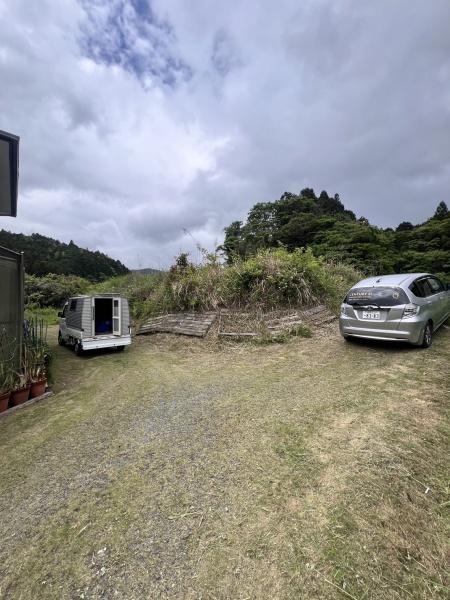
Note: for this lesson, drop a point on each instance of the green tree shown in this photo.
(441, 211)
(330, 230)
(45, 255)
(405, 226)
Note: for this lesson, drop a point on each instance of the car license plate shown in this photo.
(372, 315)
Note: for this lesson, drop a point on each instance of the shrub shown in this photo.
(269, 279)
(52, 290)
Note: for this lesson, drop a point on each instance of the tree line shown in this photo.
(323, 224)
(45, 255)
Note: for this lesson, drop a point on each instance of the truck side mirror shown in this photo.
(60, 314)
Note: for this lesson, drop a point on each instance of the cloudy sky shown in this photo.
(142, 120)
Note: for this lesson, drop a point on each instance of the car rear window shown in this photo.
(381, 295)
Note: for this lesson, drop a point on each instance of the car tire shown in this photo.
(348, 338)
(78, 349)
(61, 341)
(427, 339)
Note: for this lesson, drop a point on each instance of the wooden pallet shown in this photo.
(198, 324)
(194, 324)
(316, 316)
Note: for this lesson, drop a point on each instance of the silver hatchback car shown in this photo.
(407, 307)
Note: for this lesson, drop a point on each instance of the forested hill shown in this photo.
(323, 224)
(45, 255)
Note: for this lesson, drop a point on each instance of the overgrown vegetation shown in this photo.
(269, 279)
(323, 224)
(53, 290)
(45, 255)
(49, 314)
(267, 265)
(145, 292)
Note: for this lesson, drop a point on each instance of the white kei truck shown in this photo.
(93, 322)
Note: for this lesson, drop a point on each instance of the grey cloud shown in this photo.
(349, 97)
(225, 55)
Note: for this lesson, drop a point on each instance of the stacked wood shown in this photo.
(272, 324)
(235, 324)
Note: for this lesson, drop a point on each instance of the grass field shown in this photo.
(313, 469)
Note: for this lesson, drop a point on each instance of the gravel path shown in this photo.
(174, 470)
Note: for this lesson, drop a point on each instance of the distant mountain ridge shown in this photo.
(45, 255)
(148, 271)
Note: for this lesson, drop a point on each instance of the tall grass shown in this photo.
(145, 292)
(268, 280)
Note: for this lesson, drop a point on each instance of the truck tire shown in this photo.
(120, 348)
(61, 341)
(78, 349)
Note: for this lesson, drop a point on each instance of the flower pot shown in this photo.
(38, 388)
(20, 396)
(4, 400)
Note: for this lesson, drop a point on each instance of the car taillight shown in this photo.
(410, 310)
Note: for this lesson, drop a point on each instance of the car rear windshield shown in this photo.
(381, 296)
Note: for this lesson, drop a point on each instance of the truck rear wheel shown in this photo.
(78, 349)
(120, 348)
(61, 341)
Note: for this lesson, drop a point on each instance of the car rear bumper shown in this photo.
(404, 330)
(110, 341)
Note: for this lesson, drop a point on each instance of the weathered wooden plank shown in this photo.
(325, 320)
(236, 334)
(14, 409)
(195, 324)
(314, 310)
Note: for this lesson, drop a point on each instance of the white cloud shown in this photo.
(138, 122)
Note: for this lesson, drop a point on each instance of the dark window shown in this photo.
(421, 288)
(73, 305)
(436, 286)
(64, 310)
(380, 295)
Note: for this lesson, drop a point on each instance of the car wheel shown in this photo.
(61, 341)
(78, 349)
(427, 336)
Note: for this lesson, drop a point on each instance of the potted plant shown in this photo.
(7, 377)
(6, 385)
(38, 381)
(21, 390)
(35, 353)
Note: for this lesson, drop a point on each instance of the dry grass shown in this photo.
(193, 469)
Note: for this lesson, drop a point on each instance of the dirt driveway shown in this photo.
(181, 469)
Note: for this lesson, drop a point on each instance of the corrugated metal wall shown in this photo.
(12, 299)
